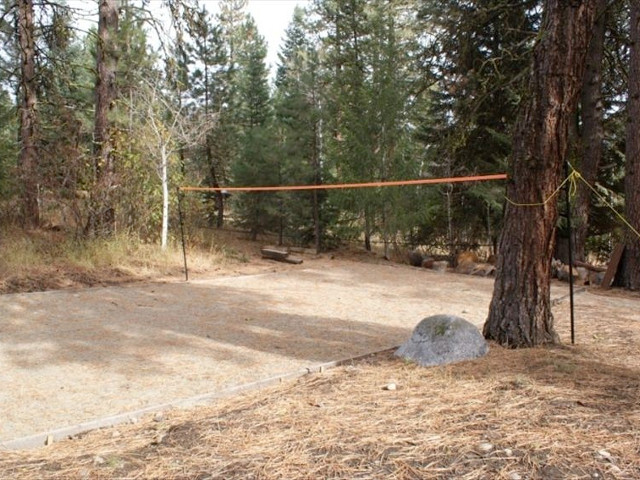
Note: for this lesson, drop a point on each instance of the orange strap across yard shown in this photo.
(397, 183)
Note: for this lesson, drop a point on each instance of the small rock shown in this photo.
(440, 266)
(98, 460)
(515, 476)
(158, 417)
(508, 452)
(133, 420)
(485, 447)
(604, 454)
(415, 258)
(390, 386)
(115, 434)
(427, 262)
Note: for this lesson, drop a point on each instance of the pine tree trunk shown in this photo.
(219, 198)
(28, 160)
(592, 130)
(102, 217)
(520, 311)
(317, 177)
(368, 222)
(631, 260)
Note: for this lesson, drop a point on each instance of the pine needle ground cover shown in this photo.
(564, 412)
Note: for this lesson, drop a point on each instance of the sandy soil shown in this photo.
(73, 356)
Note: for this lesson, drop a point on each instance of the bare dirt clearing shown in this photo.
(76, 355)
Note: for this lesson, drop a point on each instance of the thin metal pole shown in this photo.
(184, 249)
(568, 200)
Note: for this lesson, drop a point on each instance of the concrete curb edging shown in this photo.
(41, 439)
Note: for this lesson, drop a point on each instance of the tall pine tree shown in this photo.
(255, 164)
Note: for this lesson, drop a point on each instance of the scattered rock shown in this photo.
(440, 266)
(390, 386)
(604, 454)
(515, 476)
(157, 440)
(415, 258)
(485, 447)
(98, 460)
(427, 262)
(563, 274)
(508, 452)
(443, 339)
(596, 278)
(158, 417)
(583, 275)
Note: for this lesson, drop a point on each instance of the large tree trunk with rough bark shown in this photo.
(28, 159)
(102, 216)
(592, 130)
(520, 312)
(631, 260)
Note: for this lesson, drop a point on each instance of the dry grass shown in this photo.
(560, 413)
(47, 260)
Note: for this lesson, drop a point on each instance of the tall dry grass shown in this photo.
(46, 259)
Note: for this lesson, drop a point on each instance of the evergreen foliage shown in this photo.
(256, 164)
(364, 91)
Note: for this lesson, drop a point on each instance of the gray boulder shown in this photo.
(443, 339)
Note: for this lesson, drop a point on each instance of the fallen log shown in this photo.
(279, 255)
(588, 266)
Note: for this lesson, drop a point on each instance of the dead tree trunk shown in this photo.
(28, 159)
(592, 129)
(631, 259)
(102, 215)
(520, 311)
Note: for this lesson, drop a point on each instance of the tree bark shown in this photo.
(102, 216)
(28, 158)
(219, 196)
(592, 130)
(520, 311)
(631, 260)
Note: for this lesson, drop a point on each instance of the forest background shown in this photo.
(100, 127)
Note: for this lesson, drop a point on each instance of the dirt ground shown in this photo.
(74, 356)
(79, 355)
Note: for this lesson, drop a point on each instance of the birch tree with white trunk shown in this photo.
(170, 129)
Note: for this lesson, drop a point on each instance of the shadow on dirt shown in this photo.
(114, 326)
